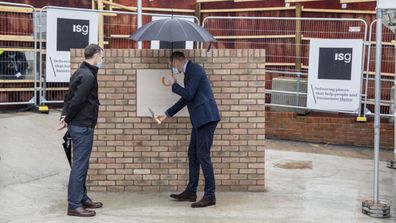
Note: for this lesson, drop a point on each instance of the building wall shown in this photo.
(135, 154)
(326, 129)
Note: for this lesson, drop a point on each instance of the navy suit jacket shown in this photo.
(197, 95)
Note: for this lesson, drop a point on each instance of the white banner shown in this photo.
(386, 4)
(334, 75)
(67, 29)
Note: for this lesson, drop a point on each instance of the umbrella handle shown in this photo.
(210, 45)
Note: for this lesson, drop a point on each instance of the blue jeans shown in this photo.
(199, 156)
(82, 140)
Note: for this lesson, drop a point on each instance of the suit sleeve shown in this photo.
(80, 96)
(179, 105)
(191, 86)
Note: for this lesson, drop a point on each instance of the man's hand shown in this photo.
(160, 118)
(169, 80)
(62, 124)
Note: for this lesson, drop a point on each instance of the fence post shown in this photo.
(298, 36)
(392, 163)
(375, 207)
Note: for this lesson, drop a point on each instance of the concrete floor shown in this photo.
(329, 186)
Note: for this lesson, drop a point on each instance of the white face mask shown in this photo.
(100, 64)
(175, 70)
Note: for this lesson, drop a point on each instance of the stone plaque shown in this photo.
(152, 93)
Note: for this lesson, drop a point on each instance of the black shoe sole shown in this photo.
(89, 207)
(193, 206)
(185, 199)
(83, 216)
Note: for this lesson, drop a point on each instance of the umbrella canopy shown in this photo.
(172, 30)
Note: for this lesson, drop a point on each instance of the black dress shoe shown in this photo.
(204, 202)
(80, 212)
(185, 196)
(91, 204)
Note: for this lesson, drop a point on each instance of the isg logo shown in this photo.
(335, 63)
(346, 57)
(72, 33)
(83, 29)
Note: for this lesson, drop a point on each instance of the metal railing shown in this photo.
(286, 41)
(18, 54)
(117, 28)
(387, 75)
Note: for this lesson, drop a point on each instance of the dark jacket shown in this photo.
(197, 95)
(81, 105)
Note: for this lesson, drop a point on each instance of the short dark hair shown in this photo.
(91, 50)
(177, 55)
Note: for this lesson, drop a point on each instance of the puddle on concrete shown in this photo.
(294, 164)
(56, 207)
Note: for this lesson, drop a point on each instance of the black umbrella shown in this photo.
(172, 30)
(67, 146)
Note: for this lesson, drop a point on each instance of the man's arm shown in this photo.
(65, 105)
(62, 123)
(179, 105)
(80, 96)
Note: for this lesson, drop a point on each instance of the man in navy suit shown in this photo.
(197, 95)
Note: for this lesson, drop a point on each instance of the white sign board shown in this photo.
(152, 93)
(386, 4)
(334, 75)
(67, 30)
(155, 44)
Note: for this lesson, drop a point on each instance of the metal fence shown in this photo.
(387, 74)
(18, 54)
(117, 28)
(286, 41)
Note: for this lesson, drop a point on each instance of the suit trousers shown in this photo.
(199, 156)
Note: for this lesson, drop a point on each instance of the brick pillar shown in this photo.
(135, 154)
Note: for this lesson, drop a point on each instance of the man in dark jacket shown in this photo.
(79, 115)
(197, 95)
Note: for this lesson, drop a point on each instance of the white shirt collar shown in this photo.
(185, 66)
